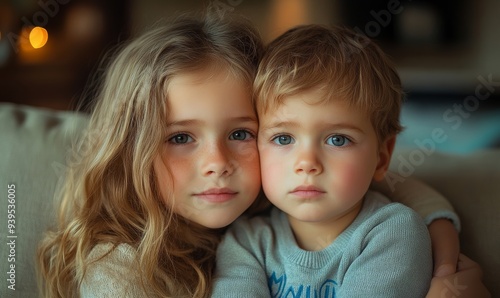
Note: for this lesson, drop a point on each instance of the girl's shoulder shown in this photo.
(111, 271)
(108, 252)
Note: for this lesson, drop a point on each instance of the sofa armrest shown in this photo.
(472, 185)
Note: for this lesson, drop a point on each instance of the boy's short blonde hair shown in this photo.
(346, 65)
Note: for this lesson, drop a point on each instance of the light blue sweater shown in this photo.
(385, 252)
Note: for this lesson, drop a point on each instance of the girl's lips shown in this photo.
(217, 195)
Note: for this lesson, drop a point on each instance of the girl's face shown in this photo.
(210, 150)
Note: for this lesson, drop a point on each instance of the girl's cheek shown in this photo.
(245, 156)
(251, 158)
(248, 153)
(164, 180)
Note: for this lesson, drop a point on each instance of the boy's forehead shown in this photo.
(291, 107)
(311, 97)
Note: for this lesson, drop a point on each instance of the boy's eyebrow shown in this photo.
(279, 124)
(188, 122)
(293, 124)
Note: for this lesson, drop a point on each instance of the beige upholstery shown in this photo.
(34, 145)
(472, 184)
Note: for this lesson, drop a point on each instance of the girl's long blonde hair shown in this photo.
(110, 194)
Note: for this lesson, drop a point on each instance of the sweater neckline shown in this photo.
(319, 258)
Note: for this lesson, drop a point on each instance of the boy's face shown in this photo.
(210, 152)
(318, 159)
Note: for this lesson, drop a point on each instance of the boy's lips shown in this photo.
(217, 195)
(307, 191)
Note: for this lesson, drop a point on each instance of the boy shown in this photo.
(328, 102)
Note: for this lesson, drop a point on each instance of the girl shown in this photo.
(162, 170)
(168, 161)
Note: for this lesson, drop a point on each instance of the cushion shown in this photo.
(33, 149)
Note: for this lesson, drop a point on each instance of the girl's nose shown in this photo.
(218, 161)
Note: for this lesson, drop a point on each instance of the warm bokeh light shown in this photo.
(286, 14)
(38, 37)
(24, 40)
(85, 23)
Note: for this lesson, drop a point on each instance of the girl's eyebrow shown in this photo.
(189, 122)
(244, 119)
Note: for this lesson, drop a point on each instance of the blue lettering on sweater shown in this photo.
(279, 288)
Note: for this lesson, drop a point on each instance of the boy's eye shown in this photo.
(181, 138)
(241, 135)
(337, 140)
(283, 140)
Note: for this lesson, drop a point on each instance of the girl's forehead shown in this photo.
(208, 95)
(207, 75)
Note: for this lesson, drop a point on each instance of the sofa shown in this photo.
(35, 145)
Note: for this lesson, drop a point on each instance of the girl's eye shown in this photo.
(181, 138)
(283, 140)
(338, 141)
(241, 135)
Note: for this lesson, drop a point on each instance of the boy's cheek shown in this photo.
(272, 182)
(356, 177)
(272, 167)
(270, 154)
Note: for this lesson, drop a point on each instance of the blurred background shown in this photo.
(447, 53)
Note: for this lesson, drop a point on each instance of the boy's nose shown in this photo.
(308, 163)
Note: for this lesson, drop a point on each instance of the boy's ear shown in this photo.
(384, 157)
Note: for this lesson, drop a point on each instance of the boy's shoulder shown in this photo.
(376, 204)
(379, 212)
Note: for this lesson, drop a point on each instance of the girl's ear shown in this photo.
(384, 157)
